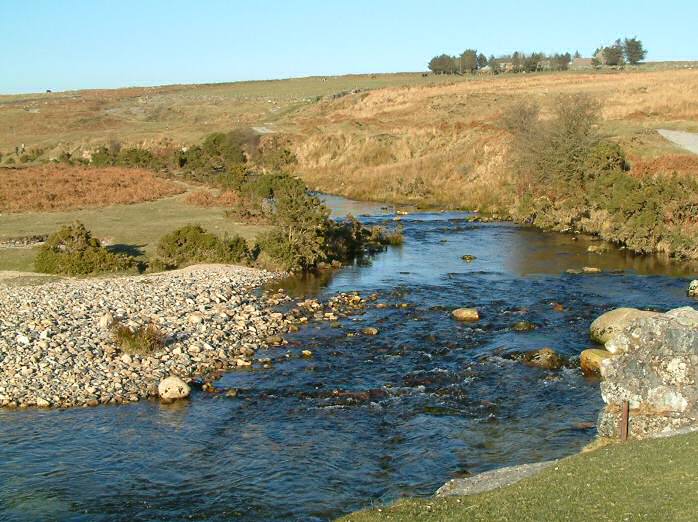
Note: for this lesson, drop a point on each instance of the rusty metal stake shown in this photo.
(624, 421)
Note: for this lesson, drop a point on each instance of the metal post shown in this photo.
(624, 421)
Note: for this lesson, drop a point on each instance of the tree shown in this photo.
(577, 54)
(494, 65)
(516, 61)
(443, 64)
(613, 54)
(634, 51)
(468, 60)
(481, 61)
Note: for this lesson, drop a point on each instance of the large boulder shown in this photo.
(656, 371)
(611, 323)
(173, 388)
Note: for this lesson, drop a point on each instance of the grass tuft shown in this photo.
(144, 340)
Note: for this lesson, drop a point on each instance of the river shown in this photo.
(366, 419)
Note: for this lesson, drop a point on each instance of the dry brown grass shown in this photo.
(63, 187)
(378, 145)
(208, 199)
(668, 164)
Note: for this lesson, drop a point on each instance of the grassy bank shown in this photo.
(134, 229)
(648, 480)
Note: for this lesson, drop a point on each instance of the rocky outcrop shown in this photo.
(609, 324)
(655, 369)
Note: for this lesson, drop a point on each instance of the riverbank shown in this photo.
(649, 480)
(57, 348)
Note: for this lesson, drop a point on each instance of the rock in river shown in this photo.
(545, 358)
(611, 323)
(523, 326)
(173, 388)
(590, 360)
(693, 289)
(466, 314)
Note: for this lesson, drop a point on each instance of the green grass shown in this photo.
(650, 480)
(134, 229)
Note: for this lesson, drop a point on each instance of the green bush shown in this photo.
(73, 251)
(192, 244)
(115, 155)
(144, 340)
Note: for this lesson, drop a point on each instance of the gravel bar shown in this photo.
(57, 349)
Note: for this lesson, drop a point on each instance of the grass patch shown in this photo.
(63, 187)
(128, 227)
(143, 340)
(648, 480)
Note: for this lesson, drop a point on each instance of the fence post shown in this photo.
(624, 421)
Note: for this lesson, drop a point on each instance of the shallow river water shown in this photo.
(366, 419)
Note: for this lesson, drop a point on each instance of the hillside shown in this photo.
(179, 114)
(410, 138)
(444, 144)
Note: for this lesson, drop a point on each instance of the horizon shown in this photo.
(49, 47)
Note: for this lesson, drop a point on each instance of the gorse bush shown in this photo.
(301, 221)
(114, 155)
(571, 179)
(73, 251)
(143, 340)
(192, 244)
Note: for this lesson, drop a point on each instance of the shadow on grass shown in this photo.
(129, 250)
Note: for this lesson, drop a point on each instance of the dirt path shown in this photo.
(686, 140)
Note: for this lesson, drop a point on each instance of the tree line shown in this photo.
(630, 50)
(470, 61)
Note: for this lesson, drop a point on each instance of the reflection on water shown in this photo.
(366, 419)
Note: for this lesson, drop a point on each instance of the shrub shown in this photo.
(144, 340)
(192, 244)
(73, 251)
(302, 221)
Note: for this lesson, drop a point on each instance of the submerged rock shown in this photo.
(173, 388)
(656, 371)
(370, 330)
(468, 258)
(611, 323)
(466, 314)
(545, 358)
(523, 326)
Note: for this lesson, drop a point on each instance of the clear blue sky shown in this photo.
(72, 44)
